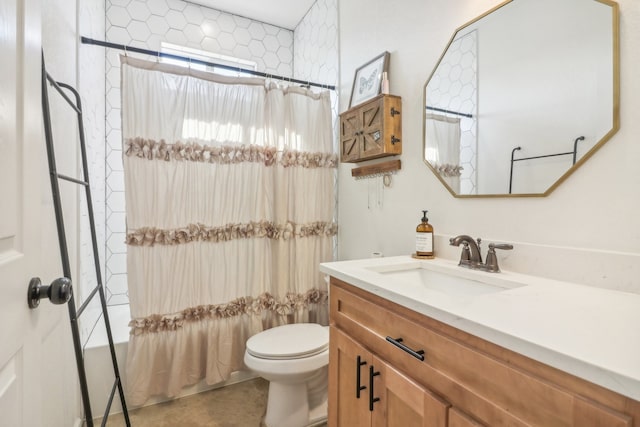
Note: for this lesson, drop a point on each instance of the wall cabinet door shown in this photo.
(350, 127)
(372, 141)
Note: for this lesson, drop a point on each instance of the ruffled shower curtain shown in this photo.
(442, 148)
(230, 209)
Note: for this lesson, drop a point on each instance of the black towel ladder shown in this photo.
(62, 239)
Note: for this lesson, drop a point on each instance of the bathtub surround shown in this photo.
(230, 204)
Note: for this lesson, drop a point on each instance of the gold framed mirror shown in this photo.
(522, 96)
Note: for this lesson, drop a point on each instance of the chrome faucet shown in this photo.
(471, 256)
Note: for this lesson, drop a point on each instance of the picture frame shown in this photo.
(367, 79)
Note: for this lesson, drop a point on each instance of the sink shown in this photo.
(424, 275)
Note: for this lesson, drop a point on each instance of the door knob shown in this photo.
(58, 292)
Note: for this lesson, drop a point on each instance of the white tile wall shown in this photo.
(147, 24)
(315, 56)
(315, 53)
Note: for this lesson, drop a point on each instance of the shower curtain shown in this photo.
(230, 209)
(442, 148)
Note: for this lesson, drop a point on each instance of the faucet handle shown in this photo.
(492, 260)
(502, 246)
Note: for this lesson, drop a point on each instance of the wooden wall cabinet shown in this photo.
(463, 380)
(371, 130)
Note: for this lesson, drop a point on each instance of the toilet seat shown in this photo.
(288, 342)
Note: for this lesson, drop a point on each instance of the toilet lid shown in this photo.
(289, 341)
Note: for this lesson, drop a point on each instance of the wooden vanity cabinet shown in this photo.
(371, 130)
(367, 382)
(463, 381)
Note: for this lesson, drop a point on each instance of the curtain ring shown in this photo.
(125, 50)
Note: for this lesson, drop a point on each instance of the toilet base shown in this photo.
(318, 415)
(287, 405)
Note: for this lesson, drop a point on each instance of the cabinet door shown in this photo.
(460, 419)
(350, 128)
(372, 141)
(403, 402)
(349, 365)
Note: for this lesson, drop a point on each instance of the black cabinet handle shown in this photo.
(359, 388)
(372, 399)
(398, 343)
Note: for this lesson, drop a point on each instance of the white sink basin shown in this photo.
(423, 274)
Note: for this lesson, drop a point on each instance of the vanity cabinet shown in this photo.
(371, 130)
(463, 380)
(371, 392)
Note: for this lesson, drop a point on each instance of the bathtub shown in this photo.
(100, 377)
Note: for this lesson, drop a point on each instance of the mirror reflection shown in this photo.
(522, 96)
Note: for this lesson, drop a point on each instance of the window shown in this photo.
(209, 57)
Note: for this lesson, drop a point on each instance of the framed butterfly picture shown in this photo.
(366, 84)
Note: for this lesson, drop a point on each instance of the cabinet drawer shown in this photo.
(492, 390)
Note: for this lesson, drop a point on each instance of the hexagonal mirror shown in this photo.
(522, 96)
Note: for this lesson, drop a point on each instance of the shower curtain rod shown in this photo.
(87, 40)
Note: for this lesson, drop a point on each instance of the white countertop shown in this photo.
(589, 332)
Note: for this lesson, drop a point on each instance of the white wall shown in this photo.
(91, 85)
(60, 403)
(585, 231)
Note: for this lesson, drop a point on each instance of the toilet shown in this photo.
(294, 359)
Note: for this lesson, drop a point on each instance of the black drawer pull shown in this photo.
(359, 387)
(372, 399)
(398, 343)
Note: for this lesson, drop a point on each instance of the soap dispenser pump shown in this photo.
(424, 238)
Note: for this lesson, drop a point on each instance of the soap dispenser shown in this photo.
(424, 238)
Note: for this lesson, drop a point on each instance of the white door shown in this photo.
(31, 341)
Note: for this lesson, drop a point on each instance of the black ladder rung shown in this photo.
(87, 301)
(109, 402)
(68, 178)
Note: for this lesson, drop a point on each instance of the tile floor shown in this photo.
(238, 405)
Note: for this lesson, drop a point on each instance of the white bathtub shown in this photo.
(97, 359)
